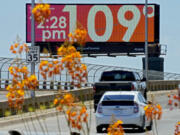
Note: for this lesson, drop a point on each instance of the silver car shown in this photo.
(127, 106)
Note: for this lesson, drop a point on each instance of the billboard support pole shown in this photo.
(146, 42)
(32, 43)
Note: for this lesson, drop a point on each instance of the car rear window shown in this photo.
(115, 103)
(118, 97)
(117, 76)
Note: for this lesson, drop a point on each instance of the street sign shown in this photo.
(33, 55)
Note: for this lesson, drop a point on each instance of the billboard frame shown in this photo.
(103, 47)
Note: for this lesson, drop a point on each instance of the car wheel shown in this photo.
(150, 126)
(141, 128)
(99, 129)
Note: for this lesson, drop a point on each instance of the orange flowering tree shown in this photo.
(79, 36)
(70, 60)
(173, 100)
(41, 12)
(21, 79)
(75, 113)
(153, 111)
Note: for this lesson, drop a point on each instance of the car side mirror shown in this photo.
(144, 79)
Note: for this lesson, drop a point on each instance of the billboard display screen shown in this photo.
(109, 24)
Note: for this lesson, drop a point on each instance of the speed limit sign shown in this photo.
(33, 55)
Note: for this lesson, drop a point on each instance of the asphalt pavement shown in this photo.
(165, 126)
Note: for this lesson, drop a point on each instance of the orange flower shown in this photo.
(56, 101)
(175, 104)
(175, 97)
(41, 12)
(16, 45)
(59, 108)
(177, 129)
(85, 119)
(169, 102)
(50, 65)
(68, 112)
(12, 48)
(116, 128)
(14, 52)
(20, 49)
(68, 98)
(83, 110)
(79, 127)
(62, 101)
(73, 114)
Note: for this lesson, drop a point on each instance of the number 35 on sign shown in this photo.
(33, 54)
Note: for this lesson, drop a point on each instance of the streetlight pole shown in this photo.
(32, 42)
(146, 42)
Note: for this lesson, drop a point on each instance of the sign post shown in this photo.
(32, 42)
(33, 56)
(179, 94)
(146, 42)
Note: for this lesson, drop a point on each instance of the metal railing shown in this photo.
(64, 79)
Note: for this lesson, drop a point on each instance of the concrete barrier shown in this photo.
(156, 85)
(82, 94)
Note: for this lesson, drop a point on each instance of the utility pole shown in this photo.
(32, 42)
(146, 42)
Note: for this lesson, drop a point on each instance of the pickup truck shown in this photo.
(118, 80)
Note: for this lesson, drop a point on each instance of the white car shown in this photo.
(127, 106)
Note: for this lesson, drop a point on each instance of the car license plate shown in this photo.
(118, 111)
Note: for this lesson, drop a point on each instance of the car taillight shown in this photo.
(94, 89)
(132, 87)
(99, 108)
(136, 108)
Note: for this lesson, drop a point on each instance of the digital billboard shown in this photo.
(111, 28)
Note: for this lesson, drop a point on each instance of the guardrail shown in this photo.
(153, 85)
(48, 85)
(156, 85)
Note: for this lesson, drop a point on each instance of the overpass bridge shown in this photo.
(48, 89)
(160, 80)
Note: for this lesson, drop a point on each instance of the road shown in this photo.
(165, 126)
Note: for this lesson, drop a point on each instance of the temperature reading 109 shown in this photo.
(128, 16)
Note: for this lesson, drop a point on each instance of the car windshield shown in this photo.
(117, 76)
(118, 97)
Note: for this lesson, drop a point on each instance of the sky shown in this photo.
(13, 23)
